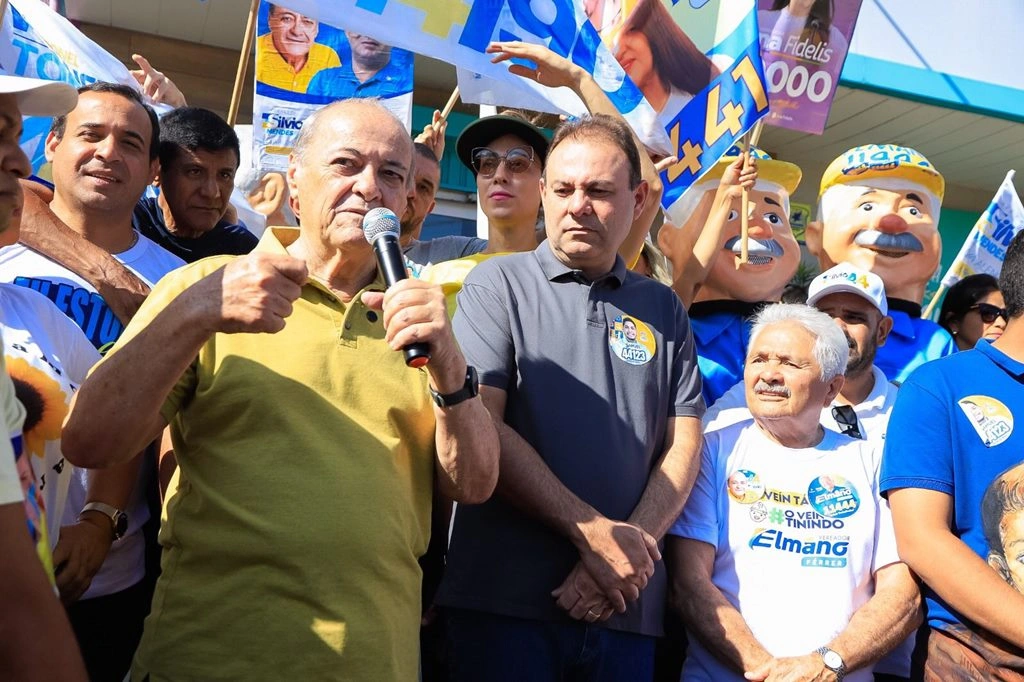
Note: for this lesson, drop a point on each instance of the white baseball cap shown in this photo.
(38, 97)
(844, 278)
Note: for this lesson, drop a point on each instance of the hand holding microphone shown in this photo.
(381, 229)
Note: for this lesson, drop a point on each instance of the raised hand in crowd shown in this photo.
(705, 245)
(433, 134)
(553, 71)
(155, 85)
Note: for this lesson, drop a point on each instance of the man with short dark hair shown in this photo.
(954, 433)
(373, 70)
(580, 510)
(420, 254)
(198, 160)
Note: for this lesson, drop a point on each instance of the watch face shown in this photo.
(832, 659)
(120, 525)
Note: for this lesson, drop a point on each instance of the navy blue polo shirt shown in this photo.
(593, 371)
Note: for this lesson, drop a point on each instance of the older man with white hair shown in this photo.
(798, 577)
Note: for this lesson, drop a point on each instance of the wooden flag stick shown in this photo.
(935, 299)
(748, 141)
(451, 104)
(243, 62)
(3, 10)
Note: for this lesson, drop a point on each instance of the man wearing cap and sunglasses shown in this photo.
(38, 644)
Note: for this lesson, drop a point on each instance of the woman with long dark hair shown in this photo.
(662, 60)
(973, 309)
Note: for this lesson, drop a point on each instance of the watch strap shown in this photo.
(825, 653)
(111, 512)
(470, 389)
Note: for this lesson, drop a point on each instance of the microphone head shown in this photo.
(379, 222)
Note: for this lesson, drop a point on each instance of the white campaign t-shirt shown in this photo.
(12, 414)
(799, 534)
(48, 356)
(76, 298)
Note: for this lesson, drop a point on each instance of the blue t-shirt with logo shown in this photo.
(953, 430)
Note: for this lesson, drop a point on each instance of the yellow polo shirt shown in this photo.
(272, 69)
(301, 502)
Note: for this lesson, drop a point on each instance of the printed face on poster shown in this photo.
(803, 46)
(302, 64)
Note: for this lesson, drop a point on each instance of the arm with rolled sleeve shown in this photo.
(691, 548)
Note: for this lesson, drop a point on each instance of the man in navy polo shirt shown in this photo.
(951, 470)
(590, 373)
(198, 160)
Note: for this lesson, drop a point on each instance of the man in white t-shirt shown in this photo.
(855, 300)
(36, 642)
(103, 153)
(798, 578)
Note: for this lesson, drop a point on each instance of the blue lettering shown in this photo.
(563, 25)
(111, 328)
(76, 311)
(61, 298)
(27, 49)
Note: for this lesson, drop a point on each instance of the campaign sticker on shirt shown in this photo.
(758, 512)
(745, 486)
(989, 417)
(631, 340)
(833, 496)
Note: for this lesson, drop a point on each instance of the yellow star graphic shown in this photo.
(441, 15)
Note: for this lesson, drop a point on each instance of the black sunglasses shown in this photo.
(989, 312)
(847, 419)
(486, 161)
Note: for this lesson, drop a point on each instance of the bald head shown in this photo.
(356, 111)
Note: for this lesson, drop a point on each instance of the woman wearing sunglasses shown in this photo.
(973, 309)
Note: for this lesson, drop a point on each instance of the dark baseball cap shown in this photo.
(483, 131)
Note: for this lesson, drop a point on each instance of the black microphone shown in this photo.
(381, 228)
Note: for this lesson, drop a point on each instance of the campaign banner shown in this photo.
(714, 117)
(37, 42)
(803, 45)
(303, 63)
(985, 247)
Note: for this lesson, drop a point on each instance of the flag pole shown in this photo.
(935, 299)
(748, 141)
(3, 9)
(243, 61)
(451, 104)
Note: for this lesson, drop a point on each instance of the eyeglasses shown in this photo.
(847, 419)
(989, 312)
(486, 161)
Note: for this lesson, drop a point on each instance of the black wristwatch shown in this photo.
(118, 519)
(469, 390)
(833, 661)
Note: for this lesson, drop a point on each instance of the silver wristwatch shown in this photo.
(833, 661)
(118, 519)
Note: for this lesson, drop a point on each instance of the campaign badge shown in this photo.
(745, 486)
(833, 496)
(990, 418)
(758, 512)
(631, 340)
